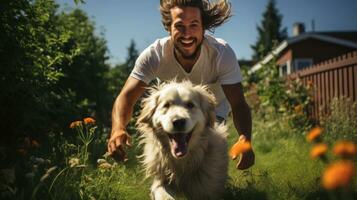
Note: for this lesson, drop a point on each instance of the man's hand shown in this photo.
(246, 160)
(117, 143)
(244, 149)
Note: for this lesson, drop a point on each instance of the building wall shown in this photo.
(285, 57)
(318, 50)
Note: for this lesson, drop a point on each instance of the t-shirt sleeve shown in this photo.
(228, 68)
(145, 65)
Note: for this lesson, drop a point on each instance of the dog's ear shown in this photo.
(208, 103)
(148, 107)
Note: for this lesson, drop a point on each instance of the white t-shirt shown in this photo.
(217, 65)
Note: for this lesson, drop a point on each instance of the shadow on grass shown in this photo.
(321, 194)
(246, 193)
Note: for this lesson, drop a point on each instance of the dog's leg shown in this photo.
(158, 191)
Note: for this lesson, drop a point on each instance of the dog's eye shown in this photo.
(190, 105)
(166, 105)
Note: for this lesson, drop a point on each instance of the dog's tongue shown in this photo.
(178, 144)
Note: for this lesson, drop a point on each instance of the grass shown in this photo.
(283, 170)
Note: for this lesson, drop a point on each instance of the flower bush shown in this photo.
(85, 130)
(340, 170)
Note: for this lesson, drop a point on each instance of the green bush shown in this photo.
(268, 94)
(340, 120)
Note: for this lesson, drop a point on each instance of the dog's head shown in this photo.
(178, 112)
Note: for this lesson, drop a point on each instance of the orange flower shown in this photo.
(318, 150)
(75, 124)
(314, 134)
(89, 120)
(345, 149)
(338, 174)
(240, 147)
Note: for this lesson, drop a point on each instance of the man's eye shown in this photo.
(179, 27)
(166, 105)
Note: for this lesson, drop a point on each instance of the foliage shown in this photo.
(270, 93)
(79, 1)
(340, 120)
(121, 72)
(86, 77)
(78, 177)
(269, 33)
(31, 55)
(53, 70)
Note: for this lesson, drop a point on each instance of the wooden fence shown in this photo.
(336, 77)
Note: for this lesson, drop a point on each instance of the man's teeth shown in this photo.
(187, 41)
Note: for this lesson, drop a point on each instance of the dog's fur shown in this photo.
(188, 157)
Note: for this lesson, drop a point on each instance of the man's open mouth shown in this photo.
(187, 42)
(179, 143)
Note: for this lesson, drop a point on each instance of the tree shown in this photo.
(30, 56)
(269, 32)
(132, 55)
(86, 76)
(53, 70)
(120, 72)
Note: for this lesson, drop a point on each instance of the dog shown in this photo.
(184, 149)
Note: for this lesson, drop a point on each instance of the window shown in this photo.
(284, 70)
(302, 63)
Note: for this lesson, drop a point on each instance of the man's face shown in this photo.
(186, 31)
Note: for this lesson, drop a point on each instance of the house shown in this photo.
(308, 48)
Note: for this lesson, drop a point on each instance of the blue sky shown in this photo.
(140, 20)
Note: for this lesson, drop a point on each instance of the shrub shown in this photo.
(340, 120)
(270, 93)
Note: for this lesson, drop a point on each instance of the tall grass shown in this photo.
(340, 122)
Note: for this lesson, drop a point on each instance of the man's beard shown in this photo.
(188, 57)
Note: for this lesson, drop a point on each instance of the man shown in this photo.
(187, 53)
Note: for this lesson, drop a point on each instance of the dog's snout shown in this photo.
(179, 124)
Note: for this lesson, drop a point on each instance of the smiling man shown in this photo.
(187, 54)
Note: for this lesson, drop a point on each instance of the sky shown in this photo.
(124, 20)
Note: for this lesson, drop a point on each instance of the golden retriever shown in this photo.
(184, 149)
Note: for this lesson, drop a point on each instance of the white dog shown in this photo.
(184, 149)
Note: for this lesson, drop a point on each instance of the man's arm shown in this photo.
(121, 115)
(242, 119)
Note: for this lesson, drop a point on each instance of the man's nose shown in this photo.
(186, 32)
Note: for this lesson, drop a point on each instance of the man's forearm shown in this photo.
(121, 113)
(242, 119)
(124, 104)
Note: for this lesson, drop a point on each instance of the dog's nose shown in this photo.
(179, 124)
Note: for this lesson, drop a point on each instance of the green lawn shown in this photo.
(283, 170)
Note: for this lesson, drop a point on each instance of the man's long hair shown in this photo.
(213, 14)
